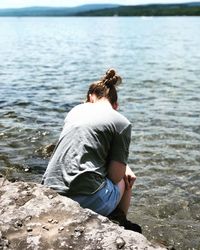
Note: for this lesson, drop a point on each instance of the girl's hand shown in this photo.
(129, 178)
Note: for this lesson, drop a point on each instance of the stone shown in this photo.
(34, 221)
(46, 151)
(120, 243)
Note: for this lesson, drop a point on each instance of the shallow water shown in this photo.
(46, 65)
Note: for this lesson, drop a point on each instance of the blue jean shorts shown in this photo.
(103, 202)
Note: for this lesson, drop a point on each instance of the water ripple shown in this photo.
(46, 66)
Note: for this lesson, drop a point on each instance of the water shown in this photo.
(46, 66)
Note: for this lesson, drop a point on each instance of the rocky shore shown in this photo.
(35, 217)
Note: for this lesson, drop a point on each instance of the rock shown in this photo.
(46, 151)
(120, 243)
(43, 219)
(29, 229)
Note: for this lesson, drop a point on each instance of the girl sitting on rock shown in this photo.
(89, 163)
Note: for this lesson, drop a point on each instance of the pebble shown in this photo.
(120, 242)
(29, 229)
(45, 227)
(5, 243)
(18, 224)
(28, 218)
(54, 222)
(104, 220)
(25, 185)
(79, 229)
(61, 229)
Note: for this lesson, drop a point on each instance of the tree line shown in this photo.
(147, 10)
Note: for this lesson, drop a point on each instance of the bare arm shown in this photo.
(116, 171)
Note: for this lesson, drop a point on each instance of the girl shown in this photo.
(89, 163)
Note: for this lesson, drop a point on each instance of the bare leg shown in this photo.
(125, 197)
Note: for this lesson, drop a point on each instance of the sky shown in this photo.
(71, 3)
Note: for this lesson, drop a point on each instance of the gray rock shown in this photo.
(42, 219)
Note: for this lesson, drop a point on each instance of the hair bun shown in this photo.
(110, 73)
(111, 79)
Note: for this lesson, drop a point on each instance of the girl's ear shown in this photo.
(115, 106)
(92, 98)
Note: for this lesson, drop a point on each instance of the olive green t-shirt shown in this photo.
(92, 136)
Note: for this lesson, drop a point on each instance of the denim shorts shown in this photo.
(103, 202)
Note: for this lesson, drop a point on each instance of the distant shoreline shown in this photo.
(184, 9)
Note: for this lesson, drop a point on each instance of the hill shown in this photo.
(54, 11)
(186, 9)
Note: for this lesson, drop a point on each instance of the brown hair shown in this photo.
(106, 87)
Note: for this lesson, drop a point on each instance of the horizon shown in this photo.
(8, 4)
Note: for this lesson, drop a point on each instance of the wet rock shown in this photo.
(46, 151)
(40, 222)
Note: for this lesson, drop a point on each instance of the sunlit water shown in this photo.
(46, 66)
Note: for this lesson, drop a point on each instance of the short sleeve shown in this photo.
(120, 145)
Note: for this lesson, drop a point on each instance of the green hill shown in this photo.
(189, 9)
(186, 9)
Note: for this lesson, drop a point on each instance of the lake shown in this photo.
(46, 66)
